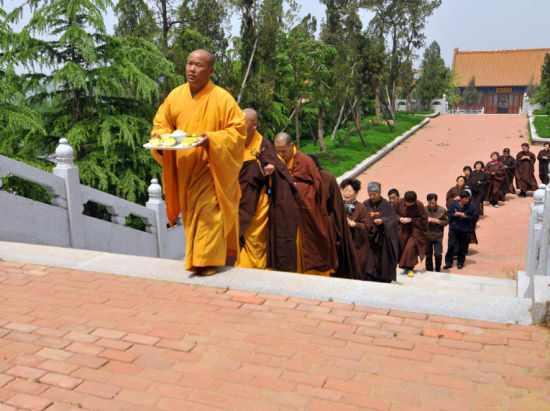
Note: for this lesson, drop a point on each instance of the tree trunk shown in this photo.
(165, 26)
(357, 125)
(320, 131)
(377, 99)
(338, 121)
(390, 106)
(247, 70)
(358, 110)
(297, 122)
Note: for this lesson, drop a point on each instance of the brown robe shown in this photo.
(412, 236)
(452, 193)
(525, 172)
(283, 214)
(343, 251)
(510, 163)
(543, 165)
(383, 250)
(312, 207)
(360, 235)
(495, 192)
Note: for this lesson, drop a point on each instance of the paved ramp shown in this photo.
(430, 161)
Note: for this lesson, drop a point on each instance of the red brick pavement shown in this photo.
(431, 160)
(73, 339)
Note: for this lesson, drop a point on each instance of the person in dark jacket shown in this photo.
(437, 220)
(461, 214)
(510, 166)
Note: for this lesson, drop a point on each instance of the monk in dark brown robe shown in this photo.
(268, 217)
(510, 166)
(543, 157)
(313, 243)
(382, 226)
(525, 171)
(496, 174)
(454, 192)
(413, 227)
(478, 183)
(344, 258)
(357, 219)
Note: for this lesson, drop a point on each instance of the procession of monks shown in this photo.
(250, 203)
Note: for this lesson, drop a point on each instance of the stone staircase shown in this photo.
(453, 295)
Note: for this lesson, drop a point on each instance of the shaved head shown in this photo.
(250, 114)
(209, 57)
(283, 138)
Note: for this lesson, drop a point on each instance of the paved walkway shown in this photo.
(431, 160)
(83, 340)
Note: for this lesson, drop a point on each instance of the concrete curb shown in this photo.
(369, 161)
(534, 135)
(449, 302)
(433, 115)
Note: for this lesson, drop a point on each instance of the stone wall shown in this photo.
(62, 223)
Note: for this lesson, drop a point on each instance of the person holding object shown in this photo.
(203, 183)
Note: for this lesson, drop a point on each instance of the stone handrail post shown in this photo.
(66, 169)
(544, 258)
(157, 204)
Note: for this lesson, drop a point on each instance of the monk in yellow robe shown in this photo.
(254, 239)
(268, 218)
(202, 183)
(313, 242)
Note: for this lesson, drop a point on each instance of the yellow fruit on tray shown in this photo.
(189, 141)
(155, 142)
(169, 141)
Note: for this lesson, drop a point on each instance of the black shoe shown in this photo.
(460, 266)
(447, 266)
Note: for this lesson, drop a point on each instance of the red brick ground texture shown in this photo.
(83, 340)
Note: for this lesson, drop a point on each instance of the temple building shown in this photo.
(501, 76)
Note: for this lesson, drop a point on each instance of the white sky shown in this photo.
(466, 24)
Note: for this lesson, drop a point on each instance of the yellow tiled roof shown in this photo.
(499, 67)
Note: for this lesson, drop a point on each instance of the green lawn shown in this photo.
(539, 112)
(346, 150)
(542, 124)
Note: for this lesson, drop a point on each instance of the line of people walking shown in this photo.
(295, 217)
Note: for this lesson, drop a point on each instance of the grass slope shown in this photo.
(346, 150)
(542, 124)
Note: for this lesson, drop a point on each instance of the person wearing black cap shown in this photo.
(461, 215)
(525, 171)
(510, 167)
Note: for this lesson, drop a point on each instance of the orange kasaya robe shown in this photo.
(303, 265)
(254, 251)
(203, 183)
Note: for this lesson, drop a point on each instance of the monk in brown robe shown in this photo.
(357, 219)
(382, 225)
(413, 227)
(454, 192)
(510, 167)
(525, 171)
(543, 157)
(497, 175)
(268, 218)
(344, 257)
(312, 242)
(202, 183)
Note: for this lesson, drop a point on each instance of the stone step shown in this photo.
(458, 282)
(454, 302)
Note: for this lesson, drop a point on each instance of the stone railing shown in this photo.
(439, 105)
(537, 264)
(63, 223)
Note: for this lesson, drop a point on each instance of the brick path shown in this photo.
(72, 339)
(431, 160)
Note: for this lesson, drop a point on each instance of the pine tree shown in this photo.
(98, 91)
(434, 76)
(471, 95)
